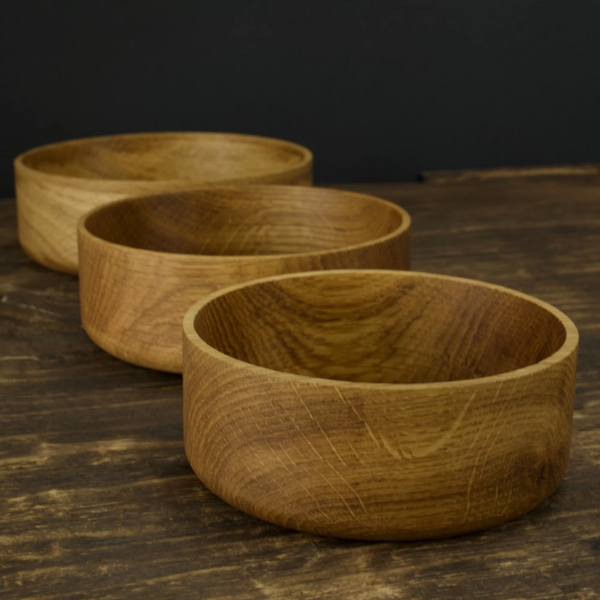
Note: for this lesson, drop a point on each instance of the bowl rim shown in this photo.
(305, 154)
(569, 344)
(402, 229)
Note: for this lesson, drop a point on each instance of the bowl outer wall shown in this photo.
(378, 461)
(50, 205)
(133, 301)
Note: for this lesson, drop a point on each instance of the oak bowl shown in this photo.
(56, 184)
(381, 405)
(145, 261)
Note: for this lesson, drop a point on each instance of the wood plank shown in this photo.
(466, 175)
(97, 499)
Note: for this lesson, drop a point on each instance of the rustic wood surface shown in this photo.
(98, 501)
(543, 171)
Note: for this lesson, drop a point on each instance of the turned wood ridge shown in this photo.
(145, 261)
(56, 184)
(378, 404)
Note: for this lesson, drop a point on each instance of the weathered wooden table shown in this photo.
(97, 499)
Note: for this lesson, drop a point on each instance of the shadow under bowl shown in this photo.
(378, 404)
(56, 184)
(145, 261)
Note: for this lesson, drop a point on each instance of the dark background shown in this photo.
(378, 90)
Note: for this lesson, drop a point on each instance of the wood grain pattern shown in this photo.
(57, 184)
(145, 261)
(97, 499)
(391, 405)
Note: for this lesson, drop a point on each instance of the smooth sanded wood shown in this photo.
(145, 261)
(98, 500)
(378, 404)
(57, 184)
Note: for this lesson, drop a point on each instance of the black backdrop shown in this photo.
(378, 90)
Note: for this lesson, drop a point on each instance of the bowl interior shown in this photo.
(194, 157)
(380, 327)
(245, 221)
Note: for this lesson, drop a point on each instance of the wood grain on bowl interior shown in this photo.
(378, 404)
(145, 261)
(57, 184)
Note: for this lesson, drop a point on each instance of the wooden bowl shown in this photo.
(145, 261)
(378, 404)
(57, 184)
